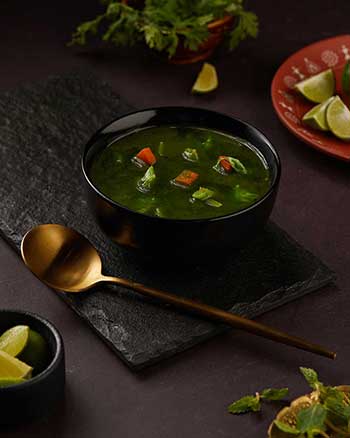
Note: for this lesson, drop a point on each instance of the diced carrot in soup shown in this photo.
(186, 177)
(147, 156)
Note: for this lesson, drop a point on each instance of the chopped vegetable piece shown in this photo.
(346, 78)
(146, 182)
(186, 178)
(245, 196)
(225, 164)
(208, 143)
(161, 149)
(190, 154)
(147, 156)
(203, 194)
(213, 203)
(221, 165)
(138, 162)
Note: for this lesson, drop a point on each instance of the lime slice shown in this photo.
(316, 117)
(318, 88)
(338, 118)
(14, 340)
(36, 352)
(207, 80)
(10, 381)
(346, 78)
(10, 367)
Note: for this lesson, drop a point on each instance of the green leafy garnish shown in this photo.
(346, 78)
(202, 194)
(190, 154)
(274, 394)
(237, 165)
(311, 420)
(243, 195)
(251, 403)
(234, 162)
(148, 179)
(310, 376)
(213, 203)
(163, 23)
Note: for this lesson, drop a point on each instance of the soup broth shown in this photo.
(181, 172)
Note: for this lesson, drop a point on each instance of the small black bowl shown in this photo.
(37, 396)
(200, 238)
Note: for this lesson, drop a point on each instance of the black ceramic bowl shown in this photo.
(37, 396)
(161, 236)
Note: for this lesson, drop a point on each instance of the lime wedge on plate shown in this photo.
(316, 117)
(35, 353)
(14, 340)
(338, 118)
(10, 381)
(10, 367)
(207, 80)
(318, 88)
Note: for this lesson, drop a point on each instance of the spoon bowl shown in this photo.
(61, 257)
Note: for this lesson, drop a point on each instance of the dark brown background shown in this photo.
(187, 395)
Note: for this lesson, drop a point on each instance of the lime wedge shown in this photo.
(14, 340)
(35, 353)
(10, 381)
(346, 78)
(316, 117)
(207, 80)
(10, 367)
(318, 88)
(338, 118)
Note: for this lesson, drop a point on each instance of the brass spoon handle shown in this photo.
(223, 316)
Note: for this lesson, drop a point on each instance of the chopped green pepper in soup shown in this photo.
(181, 172)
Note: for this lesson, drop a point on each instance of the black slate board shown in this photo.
(42, 130)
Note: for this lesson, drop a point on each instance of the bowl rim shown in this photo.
(273, 186)
(55, 362)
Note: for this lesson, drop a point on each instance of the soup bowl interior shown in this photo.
(158, 235)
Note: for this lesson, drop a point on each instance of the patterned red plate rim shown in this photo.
(290, 107)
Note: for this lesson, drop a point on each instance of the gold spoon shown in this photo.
(65, 260)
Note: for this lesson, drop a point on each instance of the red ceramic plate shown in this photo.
(290, 107)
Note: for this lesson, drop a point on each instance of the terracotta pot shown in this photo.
(217, 31)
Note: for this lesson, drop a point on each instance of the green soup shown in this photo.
(198, 173)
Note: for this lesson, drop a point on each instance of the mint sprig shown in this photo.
(252, 403)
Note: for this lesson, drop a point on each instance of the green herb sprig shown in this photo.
(252, 403)
(163, 23)
(328, 416)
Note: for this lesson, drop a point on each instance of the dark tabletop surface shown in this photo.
(187, 396)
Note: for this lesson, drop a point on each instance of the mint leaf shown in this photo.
(284, 427)
(274, 394)
(337, 410)
(249, 403)
(312, 418)
(310, 376)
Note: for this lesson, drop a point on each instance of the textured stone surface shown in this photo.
(42, 130)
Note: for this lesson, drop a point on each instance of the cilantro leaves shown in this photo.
(163, 23)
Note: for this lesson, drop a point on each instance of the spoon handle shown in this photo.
(223, 316)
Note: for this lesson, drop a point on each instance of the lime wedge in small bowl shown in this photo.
(316, 117)
(10, 367)
(14, 340)
(338, 118)
(207, 80)
(318, 88)
(9, 381)
(36, 352)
